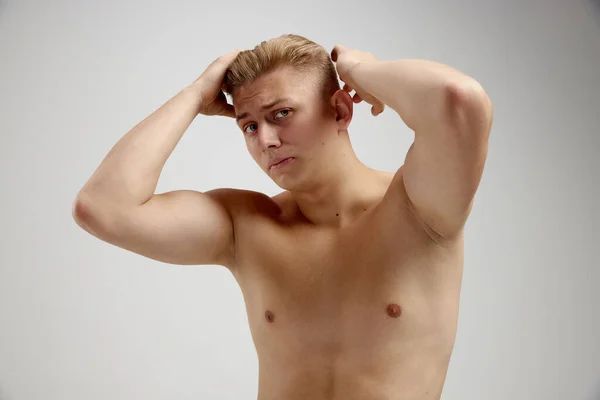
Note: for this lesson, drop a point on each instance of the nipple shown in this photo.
(269, 316)
(393, 310)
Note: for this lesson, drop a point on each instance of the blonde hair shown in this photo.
(291, 50)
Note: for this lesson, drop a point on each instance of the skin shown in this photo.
(351, 276)
(348, 295)
(325, 179)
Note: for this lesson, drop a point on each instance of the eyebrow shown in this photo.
(264, 107)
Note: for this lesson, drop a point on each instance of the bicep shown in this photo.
(444, 166)
(181, 227)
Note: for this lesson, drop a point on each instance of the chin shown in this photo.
(284, 181)
(292, 184)
(285, 184)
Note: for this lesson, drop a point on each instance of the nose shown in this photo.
(269, 137)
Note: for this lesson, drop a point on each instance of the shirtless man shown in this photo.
(351, 276)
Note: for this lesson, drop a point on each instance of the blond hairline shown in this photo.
(290, 50)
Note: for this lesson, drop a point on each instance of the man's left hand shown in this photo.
(346, 60)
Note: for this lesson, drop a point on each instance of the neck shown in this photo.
(340, 193)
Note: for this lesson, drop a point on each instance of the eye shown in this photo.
(248, 126)
(283, 111)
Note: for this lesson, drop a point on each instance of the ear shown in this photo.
(342, 106)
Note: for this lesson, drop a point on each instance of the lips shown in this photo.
(277, 161)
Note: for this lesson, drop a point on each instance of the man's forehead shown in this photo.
(283, 82)
(258, 93)
(275, 88)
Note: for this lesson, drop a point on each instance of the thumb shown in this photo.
(228, 111)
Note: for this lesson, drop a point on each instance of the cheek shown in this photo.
(304, 134)
(313, 136)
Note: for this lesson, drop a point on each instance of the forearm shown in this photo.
(129, 173)
(420, 91)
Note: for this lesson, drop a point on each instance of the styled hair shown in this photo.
(297, 52)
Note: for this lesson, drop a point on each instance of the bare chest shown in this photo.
(367, 287)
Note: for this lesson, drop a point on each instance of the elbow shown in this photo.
(88, 216)
(81, 211)
(468, 107)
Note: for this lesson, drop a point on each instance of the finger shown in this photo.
(347, 88)
(356, 98)
(220, 65)
(224, 108)
(229, 57)
(377, 109)
(335, 52)
(228, 111)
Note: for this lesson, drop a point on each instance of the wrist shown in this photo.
(195, 91)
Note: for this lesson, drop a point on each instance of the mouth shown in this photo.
(282, 163)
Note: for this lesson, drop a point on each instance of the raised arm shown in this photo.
(118, 203)
(451, 116)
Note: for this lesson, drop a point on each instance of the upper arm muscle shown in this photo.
(180, 227)
(444, 165)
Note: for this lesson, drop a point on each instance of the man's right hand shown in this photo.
(209, 84)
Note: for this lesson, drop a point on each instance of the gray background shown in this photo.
(81, 319)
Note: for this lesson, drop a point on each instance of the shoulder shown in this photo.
(241, 202)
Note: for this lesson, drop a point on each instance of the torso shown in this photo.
(367, 311)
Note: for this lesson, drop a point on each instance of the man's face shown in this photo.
(283, 115)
